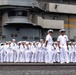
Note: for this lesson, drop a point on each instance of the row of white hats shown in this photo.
(62, 30)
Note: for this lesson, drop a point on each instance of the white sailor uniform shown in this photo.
(58, 54)
(22, 54)
(49, 53)
(2, 53)
(70, 47)
(41, 52)
(63, 48)
(14, 47)
(34, 53)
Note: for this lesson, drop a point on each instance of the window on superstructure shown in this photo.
(17, 13)
(21, 13)
(61, 1)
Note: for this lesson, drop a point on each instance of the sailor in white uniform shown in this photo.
(57, 52)
(2, 53)
(8, 52)
(62, 43)
(18, 51)
(54, 53)
(34, 52)
(5, 51)
(22, 52)
(48, 45)
(41, 51)
(37, 52)
(13, 45)
(75, 51)
(28, 53)
(71, 49)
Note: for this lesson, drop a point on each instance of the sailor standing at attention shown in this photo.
(2, 53)
(48, 45)
(41, 51)
(13, 46)
(62, 44)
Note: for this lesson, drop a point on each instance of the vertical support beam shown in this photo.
(68, 24)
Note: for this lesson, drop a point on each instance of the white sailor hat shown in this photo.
(74, 42)
(41, 39)
(9, 41)
(56, 42)
(13, 40)
(24, 41)
(19, 42)
(50, 30)
(62, 30)
(27, 42)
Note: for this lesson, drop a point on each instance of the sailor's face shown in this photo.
(22, 43)
(34, 43)
(62, 32)
(56, 44)
(41, 41)
(50, 33)
(7, 43)
(14, 41)
(30, 44)
(26, 44)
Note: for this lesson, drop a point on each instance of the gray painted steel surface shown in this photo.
(37, 69)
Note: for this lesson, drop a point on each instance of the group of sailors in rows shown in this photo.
(60, 51)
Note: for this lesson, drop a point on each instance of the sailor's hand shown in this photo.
(59, 47)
